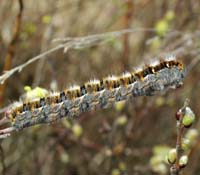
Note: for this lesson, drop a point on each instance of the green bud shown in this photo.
(160, 101)
(185, 144)
(183, 161)
(191, 135)
(188, 118)
(122, 120)
(169, 16)
(115, 172)
(64, 157)
(27, 88)
(122, 166)
(46, 19)
(162, 27)
(34, 93)
(67, 123)
(119, 105)
(172, 156)
(77, 130)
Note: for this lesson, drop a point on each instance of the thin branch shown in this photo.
(103, 36)
(19, 68)
(11, 47)
(3, 171)
(127, 20)
(175, 169)
(6, 132)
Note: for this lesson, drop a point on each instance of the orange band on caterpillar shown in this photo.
(156, 77)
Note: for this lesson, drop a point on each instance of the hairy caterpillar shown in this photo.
(161, 75)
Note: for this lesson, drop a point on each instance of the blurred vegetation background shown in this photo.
(120, 140)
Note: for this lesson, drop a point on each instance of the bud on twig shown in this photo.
(188, 118)
(172, 156)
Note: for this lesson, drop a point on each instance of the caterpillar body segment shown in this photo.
(92, 86)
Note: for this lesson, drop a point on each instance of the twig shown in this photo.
(6, 132)
(175, 169)
(103, 36)
(19, 68)
(11, 47)
(180, 132)
(127, 22)
(3, 171)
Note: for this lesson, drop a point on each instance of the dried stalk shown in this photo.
(11, 47)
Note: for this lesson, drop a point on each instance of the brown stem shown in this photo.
(127, 22)
(11, 47)
(179, 140)
(3, 171)
(175, 169)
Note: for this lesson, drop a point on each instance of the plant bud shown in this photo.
(188, 118)
(115, 172)
(192, 135)
(172, 156)
(185, 144)
(178, 114)
(183, 161)
(119, 105)
(122, 120)
(169, 16)
(77, 130)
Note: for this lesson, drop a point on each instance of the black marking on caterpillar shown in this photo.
(162, 75)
